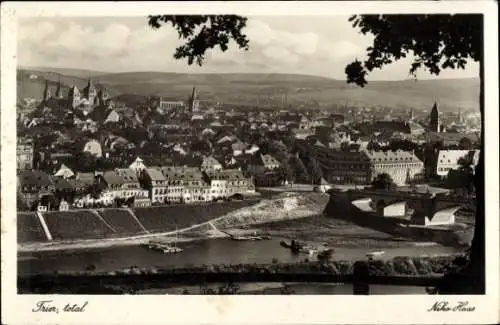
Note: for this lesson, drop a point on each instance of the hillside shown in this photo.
(263, 89)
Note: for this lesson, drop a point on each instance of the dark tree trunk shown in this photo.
(477, 253)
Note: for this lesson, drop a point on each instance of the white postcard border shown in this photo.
(145, 309)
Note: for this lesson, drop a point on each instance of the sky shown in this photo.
(313, 45)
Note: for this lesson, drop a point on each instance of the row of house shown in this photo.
(138, 184)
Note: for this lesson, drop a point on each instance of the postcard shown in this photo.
(250, 162)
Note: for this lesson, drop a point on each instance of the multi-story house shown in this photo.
(450, 160)
(226, 183)
(24, 154)
(32, 185)
(132, 188)
(402, 166)
(361, 167)
(113, 187)
(262, 163)
(210, 164)
(156, 184)
(185, 185)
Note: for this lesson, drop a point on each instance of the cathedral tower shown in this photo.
(90, 92)
(74, 96)
(59, 94)
(46, 92)
(193, 101)
(434, 124)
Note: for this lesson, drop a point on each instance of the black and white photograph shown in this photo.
(234, 153)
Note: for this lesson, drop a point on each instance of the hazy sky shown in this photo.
(302, 44)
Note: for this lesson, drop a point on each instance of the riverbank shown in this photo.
(397, 271)
(291, 206)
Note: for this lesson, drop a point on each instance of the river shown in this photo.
(217, 251)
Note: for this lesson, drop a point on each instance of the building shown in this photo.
(113, 187)
(138, 165)
(361, 167)
(33, 185)
(194, 102)
(340, 166)
(64, 172)
(24, 154)
(93, 148)
(434, 124)
(156, 183)
(451, 160)
(261, 163)
(403, 166)
(185, 185)
(167, 106)
(210, 164)
(131, 186)
(88, 97)
(226, 183)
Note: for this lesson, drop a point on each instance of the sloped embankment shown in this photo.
(281, 208)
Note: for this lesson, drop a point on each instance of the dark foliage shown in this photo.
(437, 41)
(383, 182)
(203, 33)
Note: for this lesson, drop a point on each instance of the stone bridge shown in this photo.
(425, 209)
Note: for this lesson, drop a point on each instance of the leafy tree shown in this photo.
(437, 42)
(299, 168)
(465, 144)
(202, 33)
(315, 170)
(383, 181)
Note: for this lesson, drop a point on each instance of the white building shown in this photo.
(450, 159)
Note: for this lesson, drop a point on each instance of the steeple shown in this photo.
(193, 101)
(90, 92)
(59, 94)
(46, 92)
(434, 124)
(74, 96)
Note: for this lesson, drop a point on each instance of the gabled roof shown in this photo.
(112, 178)
(155, 174)
(60, 183)
(263, 160)
(34, 178)
(128, 175)
(209, 161)
(228, 174)
(391, 156)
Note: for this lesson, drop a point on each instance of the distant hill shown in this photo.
(80, 73)
(451, 94)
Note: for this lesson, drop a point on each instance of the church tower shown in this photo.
(103, 96)
(59, 94)
(46, 92)
(74, 96)
(90, 92)
(411, 117)
(193, 101)
(434, 124)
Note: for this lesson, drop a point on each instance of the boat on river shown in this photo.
(298, 247)
(375, 254)
(165, 248)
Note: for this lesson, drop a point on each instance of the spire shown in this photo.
(46, 91)
(193, 94)
(59, 94)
